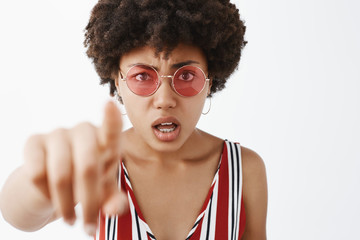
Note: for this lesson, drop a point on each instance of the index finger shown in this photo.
(110, 131)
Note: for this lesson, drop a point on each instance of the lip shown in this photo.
(169, 136)
(165, 120)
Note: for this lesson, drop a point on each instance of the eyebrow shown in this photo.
(174, 66)
(181, 64)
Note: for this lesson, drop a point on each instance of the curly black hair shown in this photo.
(118, 26)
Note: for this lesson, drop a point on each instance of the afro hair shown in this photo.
(118, 26)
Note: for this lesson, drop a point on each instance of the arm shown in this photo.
(254, 194)
(23, 205)
(62, 168)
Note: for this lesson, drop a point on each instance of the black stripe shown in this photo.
(137, 224)
(108, 228)
(113, 238)
(150, 235)
(232, 192)
(126, 175)
(238, 187)
(209, 218)
(197, 222)
(189, 237)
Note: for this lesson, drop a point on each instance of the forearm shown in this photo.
(22, 204)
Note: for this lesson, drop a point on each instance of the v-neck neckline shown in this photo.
(204, 207)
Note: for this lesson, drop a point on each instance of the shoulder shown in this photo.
(255, 194)
(254, 172)
(253, 164)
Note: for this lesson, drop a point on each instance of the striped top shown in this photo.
(221, 217)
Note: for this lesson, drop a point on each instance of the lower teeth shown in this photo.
(167, 130)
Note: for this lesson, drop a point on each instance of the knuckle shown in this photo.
(56, 136)
(36, 176)
(84, 126)
(89, 170)
(34, 140)
(59, 132)
(62, 181)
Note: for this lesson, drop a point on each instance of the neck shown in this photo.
(195, 148)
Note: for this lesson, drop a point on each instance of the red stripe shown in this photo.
(207, 199)
(124, 227)
(101, 228)
(221, 231)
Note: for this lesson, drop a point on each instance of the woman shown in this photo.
(162, 59)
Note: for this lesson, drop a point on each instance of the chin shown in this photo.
(165, 147)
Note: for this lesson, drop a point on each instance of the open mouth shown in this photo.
(166, 127)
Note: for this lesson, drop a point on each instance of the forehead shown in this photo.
(147, 55)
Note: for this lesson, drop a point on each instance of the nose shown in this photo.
(165, 96)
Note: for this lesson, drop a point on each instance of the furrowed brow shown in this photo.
(181, 64)
(173, 66)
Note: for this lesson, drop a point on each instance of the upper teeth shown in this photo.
(166, 129)
(166, 124)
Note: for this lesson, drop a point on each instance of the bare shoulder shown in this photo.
(255, 194)
(253, 164)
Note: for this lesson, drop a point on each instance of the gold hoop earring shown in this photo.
(208, 109)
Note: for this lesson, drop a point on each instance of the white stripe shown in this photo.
(126, 179)
(106, 226)
(236, 196)
(240, 177)
(143, 229)
(98, 230)
(233, 224)
(230, 190)
(194, 228)
(116, 227)
(142, 224)
(112, 221)
(204, 223)
(119, 176)
(133, 220)
(214, 209)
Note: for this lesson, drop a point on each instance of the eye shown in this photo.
(186, 76)
(142, 76)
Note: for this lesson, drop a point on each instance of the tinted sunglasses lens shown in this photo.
(142, 80)
(189, 81)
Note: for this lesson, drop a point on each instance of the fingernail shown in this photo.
(90, 229)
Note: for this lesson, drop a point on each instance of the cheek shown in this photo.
(137, 109)
(193, 111)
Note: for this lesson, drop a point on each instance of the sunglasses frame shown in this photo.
(163, 76)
